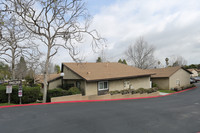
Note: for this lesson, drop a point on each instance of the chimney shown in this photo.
(88, 73)
(106, 64)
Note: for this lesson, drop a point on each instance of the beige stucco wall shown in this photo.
(135, 83)
(142, 82)
(91, 88)
(182, 76)
(162, 83)
(54, 84)
(68, 74)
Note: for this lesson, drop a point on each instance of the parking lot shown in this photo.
(178, 113)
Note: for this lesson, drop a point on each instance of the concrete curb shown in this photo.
(82, 101)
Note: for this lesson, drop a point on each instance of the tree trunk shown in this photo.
(13, 65)
(46, 76)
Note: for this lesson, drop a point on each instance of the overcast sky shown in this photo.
(172, 26)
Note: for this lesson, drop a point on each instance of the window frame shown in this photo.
(103, 85)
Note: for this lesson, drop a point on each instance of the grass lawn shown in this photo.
(5, 104)
(166, 91)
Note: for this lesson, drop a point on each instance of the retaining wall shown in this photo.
(101, 97)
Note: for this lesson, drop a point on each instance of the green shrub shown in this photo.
(177, 88)
(188, 86)
(40, 96)
(132, 91)
(126, 91)
(57, 92)
(150, 90)
(141, 90)
(114, 92)
(3, 95)
(30, 94)
(193, 85)
(74, 90)
(154, 85)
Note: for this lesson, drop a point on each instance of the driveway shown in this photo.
(178, 113)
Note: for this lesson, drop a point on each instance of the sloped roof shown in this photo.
(192, 70)
(198, 70)
(165, 72)
(51, 77)
(105, 71)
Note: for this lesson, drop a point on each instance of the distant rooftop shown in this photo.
(105, 71)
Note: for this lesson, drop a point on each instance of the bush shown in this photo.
(141, 90)
(177, 88)
(126, 91)
(74, 90)
(3, 95)
(150, 90)
(154, 85)
(56, 93)
(132, 91)
(183, 87)
(114, 92)
(30, 94)
(188, 86)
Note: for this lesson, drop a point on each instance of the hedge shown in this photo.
(61, 92)
(183, 87)
(133, 91)
(74, 90)
(30, 94)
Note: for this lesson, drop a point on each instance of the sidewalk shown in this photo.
(162, 93)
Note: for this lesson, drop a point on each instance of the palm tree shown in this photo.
(167, 62)
(158, 64)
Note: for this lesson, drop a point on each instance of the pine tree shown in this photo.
(99, 59)
(124, 62)
(57, 69)
(120, 61)
(21, 70)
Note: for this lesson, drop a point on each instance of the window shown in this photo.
(178, 82)
(78, 84)
(103, 85)
(126, 84)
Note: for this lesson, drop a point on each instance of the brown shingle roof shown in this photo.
(40, 78)
(105, 71)
(198, 70)
(165, 72)
(191, 70)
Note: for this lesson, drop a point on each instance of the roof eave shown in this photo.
(118, 78)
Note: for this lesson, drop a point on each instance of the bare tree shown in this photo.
(14, 42)
(141, 54)
(57, 23)
(178, 61)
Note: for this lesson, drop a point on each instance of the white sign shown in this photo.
(20, 93)
(14, 82)
(8, 89)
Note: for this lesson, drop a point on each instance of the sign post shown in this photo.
(20, 94)
(15, 82)
(8, 91)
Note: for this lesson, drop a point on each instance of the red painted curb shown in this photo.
(79, 101)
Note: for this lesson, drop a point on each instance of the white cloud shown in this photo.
(171, 26)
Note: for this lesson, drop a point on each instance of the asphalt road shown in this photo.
(179, 113)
